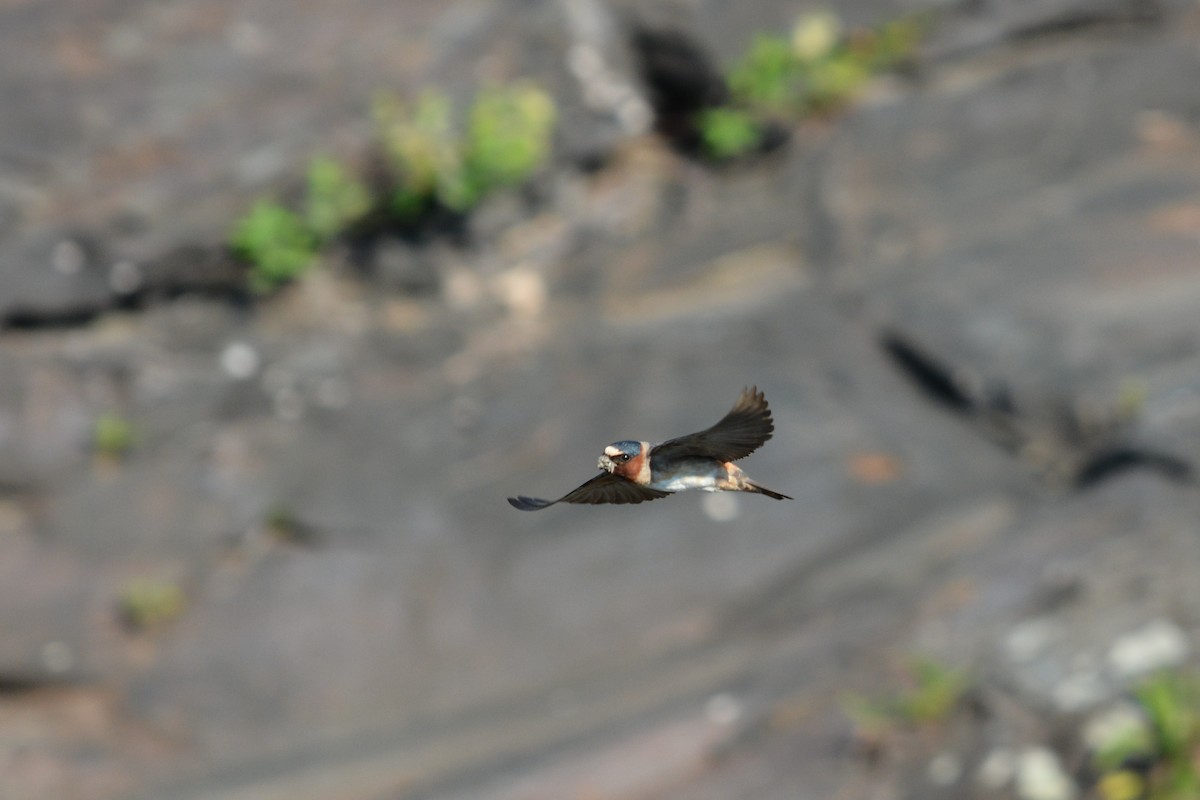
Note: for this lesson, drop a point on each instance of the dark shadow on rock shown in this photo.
(17, 683)
(193, 269)
(936, 380)
(680, 77)
(1074, 18)
(1113, 461)
(1080, 452)
(186, 270)
(30, 318)
(682, 81)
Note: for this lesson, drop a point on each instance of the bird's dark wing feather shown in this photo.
(739, 433)
(604, 488)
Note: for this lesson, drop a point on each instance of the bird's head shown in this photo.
(619, 457)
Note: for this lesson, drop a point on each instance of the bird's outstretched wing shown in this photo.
(739, 433)
(604, 488)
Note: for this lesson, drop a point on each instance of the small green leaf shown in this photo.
(508, 136)
(729, 132)
(276, 242)
(112, 435)
(149, 603)
(766, 76)
(334, 200)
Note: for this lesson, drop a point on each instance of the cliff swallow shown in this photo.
(638, 471)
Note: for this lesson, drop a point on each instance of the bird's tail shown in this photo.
(756, 489)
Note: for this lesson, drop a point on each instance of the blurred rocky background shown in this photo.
(255, 545)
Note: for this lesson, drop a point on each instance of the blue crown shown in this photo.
(630, 447)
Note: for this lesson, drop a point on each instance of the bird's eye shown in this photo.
(623, 457)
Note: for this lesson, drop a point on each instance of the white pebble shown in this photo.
(523, 291)
(1158, 645)
(1080, 690)
(68, 257)
(1030, 639)
(240, 361)
(1123, 721)
(945, 769)
(997, 769)
(723, 709)
(58, 657)
(1040, 776)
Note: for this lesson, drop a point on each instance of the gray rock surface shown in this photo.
(322, 473)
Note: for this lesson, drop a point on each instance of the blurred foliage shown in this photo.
(112, 435)
(507, 137)
(280, 245)
(765, 77)
(422, 150)
(1157, 757)
(1131, 398)
(432, 164)
(284, 526)
(816, 69)
(276, 242)
(145, 603)
(929, 693)
(335, 200)
(729, 132)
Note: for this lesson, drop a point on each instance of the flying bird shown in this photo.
(634, 472)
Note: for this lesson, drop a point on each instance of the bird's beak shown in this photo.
(604, 462)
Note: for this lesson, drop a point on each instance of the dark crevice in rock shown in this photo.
(936, 380)
(193, 269)
(1064, 446)
(16, 684)
(187, 270)
(1113, 461)
(40, 319)
(1077, 21)
(682, 81)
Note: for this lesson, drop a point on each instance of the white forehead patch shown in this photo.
(611, 451)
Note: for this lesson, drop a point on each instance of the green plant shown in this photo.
(149, 602)
(334, 200)
(816, 69)
(431, 162)
(507, 136)
(765, 78)
(930, 692)
(280, 244)
(277, 243)
(112, 435)
(421, 148)
(833, 80)
(934, 691)
(815, 36)
(284, 526)
(1166, 744)
(890, 45)
(729, 132)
